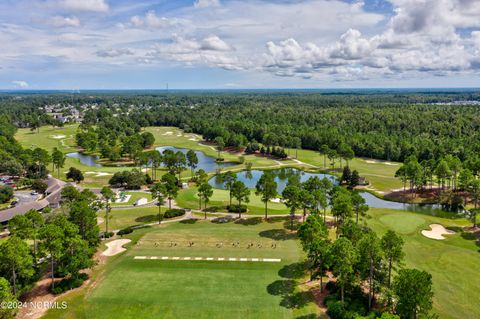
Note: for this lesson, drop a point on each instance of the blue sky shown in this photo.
(195, 44)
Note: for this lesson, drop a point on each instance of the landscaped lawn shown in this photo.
(243, 290)
(124, 217)
(379, 173)
(134, 196)
(188, 198)
(453, 262)
(129, 288)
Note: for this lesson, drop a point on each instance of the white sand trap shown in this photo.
(391, 164)
(437, 231)
(115, 247)
(58, 137)
(179, 134)
(192, 139)
(276, 200)
(168, 133)
(98, 174)
(380, 162)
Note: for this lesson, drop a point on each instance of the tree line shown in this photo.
(60, 244)
(454, 183)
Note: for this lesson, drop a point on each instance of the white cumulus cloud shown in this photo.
(206, 3)
(20, 84)
(60, 21)
(86, 5)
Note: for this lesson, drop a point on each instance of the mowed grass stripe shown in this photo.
(274, 260)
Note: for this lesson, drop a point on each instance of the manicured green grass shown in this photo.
(134, 196)
(379, 173)
(122, 217)
(50, 137)
(453, 262)
(129, 288)
(188, 198)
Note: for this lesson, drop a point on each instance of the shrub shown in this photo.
(174, 212)
(336, 309)
(107, 235)
(75, 174)
(6, 193)
(214, 209)
(39, 185)
(125, 231)
(69, 283)
(237, 209)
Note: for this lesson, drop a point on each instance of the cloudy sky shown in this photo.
(144, 44)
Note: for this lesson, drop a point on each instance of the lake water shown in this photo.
(89, 160)
(282, 176)
(205, 162)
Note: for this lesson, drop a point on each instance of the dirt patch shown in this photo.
(115, 247)
(437, 231)
(39, 294)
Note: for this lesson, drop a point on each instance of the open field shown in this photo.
(379, 173)
(453, 262)
(160, 288)
(129, 288)
(124, 217)
(64, 139)
(188, 198)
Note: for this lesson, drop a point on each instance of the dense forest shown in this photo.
(385, 125)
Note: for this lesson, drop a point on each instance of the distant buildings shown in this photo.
(52, 199)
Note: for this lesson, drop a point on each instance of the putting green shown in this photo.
(403, 223)
(453, 262)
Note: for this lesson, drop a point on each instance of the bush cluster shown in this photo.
(69, 283)
(174, 212)
(237, 208)
(125, 231)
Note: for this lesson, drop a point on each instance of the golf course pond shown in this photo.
(282, 176)
(205, 162)
(89, 160)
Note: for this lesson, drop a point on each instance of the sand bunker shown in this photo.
(276, 200)
(437, 231)
(168, 133)
(391, 164)
(98, 174)
(380, 162)
(115, 247)
(57, 137)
